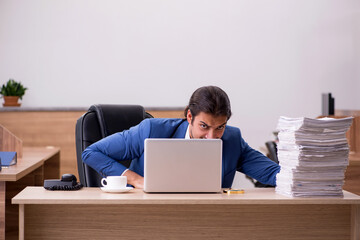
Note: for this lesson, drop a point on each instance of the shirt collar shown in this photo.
(187, 135)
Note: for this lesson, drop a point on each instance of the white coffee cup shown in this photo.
(114, 182)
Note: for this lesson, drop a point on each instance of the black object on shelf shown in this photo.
(328, 104)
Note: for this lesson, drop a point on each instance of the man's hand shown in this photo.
(134, 179)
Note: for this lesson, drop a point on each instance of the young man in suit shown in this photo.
(206, 116)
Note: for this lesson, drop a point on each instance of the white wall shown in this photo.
(273, 57)
(357, 50)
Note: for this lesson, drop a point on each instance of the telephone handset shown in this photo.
(67, 182)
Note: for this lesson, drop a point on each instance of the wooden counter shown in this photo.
(352, 175)
(35, 165)
(56, 127)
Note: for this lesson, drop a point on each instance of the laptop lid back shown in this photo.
(182, 165)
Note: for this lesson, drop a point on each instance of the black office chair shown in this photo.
(272, 148)
(98, 122)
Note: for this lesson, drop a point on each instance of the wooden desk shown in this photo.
(36, 165)
(258, 214)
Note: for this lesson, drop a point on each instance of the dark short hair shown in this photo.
(209, 99)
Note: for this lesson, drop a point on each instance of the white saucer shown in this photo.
(116, 190)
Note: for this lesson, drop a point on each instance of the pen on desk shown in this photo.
(234, 191)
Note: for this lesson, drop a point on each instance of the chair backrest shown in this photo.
(272, 148)
(98, 122)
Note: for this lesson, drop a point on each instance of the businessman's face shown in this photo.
(206, 126)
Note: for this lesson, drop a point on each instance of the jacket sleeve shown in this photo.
(105, 155)
(256, 165)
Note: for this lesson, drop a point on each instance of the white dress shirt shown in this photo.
(187, 134)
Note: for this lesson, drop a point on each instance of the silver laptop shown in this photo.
(182, 165)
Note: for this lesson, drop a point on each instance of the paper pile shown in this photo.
(313, 156)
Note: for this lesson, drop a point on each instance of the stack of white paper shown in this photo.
(313, 156)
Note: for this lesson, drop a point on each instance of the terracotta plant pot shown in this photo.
(11, 101)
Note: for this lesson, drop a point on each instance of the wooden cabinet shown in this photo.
(39, 127)
(352, 175)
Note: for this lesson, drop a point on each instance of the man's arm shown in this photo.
(105, 156)
(257, 166)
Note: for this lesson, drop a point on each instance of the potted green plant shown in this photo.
(12, 91)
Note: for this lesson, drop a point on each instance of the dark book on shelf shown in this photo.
(328, 104)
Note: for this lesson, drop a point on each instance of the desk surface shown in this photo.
(38, 195)
(32, 158)
(139, 215)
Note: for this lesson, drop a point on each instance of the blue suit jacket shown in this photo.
(105, 156)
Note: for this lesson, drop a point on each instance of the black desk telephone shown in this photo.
(67, 182)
